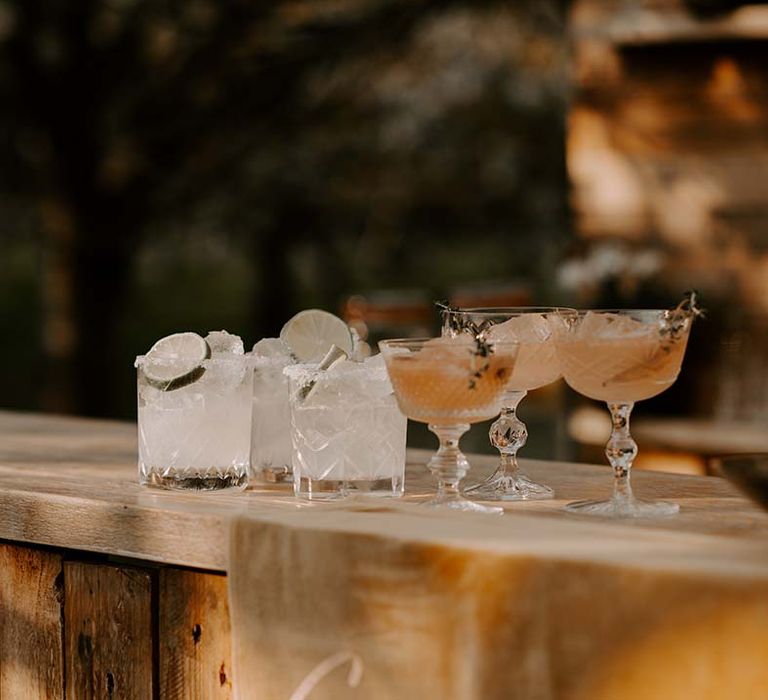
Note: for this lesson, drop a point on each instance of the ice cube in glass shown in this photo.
(271, 427)
(197, 436)
(347, 431)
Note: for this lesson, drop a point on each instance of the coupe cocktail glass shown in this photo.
(449, 383)
(621, 357)
(536, 366)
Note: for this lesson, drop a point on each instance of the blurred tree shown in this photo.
(351, 143)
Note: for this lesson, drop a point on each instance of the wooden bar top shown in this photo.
(72, 483)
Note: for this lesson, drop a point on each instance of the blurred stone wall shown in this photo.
(668, 138)
(667, 151)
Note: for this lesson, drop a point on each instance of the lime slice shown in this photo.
(311, 333)
(176, 361)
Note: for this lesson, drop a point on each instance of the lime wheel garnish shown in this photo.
(176, 361)
(310, 335)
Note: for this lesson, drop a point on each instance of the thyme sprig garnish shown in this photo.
(459, 323)
(690, 305)
(673, 328)
(676, 320)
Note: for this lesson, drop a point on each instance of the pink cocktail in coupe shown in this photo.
(621, 357)
(537, 365)
(450, 383)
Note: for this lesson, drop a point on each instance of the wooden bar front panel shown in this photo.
(194, 636)
(31, 654)
(108, 632)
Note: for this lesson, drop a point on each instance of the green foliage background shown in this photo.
(194, 165)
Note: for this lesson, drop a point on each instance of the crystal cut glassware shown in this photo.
(347, 431)
(620, 357)
(270, 435)
(197, 436)
(536, 366)
(450, 383)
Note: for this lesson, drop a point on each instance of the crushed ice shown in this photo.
(222, 342)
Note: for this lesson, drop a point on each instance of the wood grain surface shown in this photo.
(194, 636)
(72, 483)
(31, 654)
(108, 632)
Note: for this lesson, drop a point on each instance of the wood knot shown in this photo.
(84, 646)
(197, 632)
(222, 675)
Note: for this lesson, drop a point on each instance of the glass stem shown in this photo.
(621, 450)
(508, 434)
(448, 464)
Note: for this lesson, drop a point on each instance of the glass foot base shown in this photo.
(502, 487)
(462, 504)
(624, 508)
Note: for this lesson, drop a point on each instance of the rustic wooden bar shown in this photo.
(108, 589)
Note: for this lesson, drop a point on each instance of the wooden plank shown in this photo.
(166, 531)
(194, 633)
(90, 499)
(31, 654)
(108, 632)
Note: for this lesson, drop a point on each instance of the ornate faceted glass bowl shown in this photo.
(449, 383)
(537, 365)
(620, 357)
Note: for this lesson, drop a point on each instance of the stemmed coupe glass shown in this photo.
(449, 383)
(621, 357)
(536, 366)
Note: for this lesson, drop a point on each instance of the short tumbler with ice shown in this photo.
(270, 437)
(195, 428)
(347, 431)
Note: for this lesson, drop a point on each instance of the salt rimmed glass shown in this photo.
(621, 357)
(536, 366)
(270, 434)
(347, 431)
(197, 436)
(450, 383)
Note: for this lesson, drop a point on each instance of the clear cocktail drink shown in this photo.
(197, 435)
(271, 434)
(306, 338)
(348, 433)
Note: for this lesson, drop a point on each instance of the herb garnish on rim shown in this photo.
(676, 319)
(459, 324)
